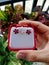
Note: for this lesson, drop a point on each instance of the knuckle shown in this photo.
(33, 58)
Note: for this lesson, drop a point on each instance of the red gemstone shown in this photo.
(28, 32)
(16, 31)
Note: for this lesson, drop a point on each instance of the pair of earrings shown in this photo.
(16, 31)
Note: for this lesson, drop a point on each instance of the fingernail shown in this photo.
(21, 56)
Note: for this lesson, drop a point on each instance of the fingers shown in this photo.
(27, 55)
(39, 26)
(34, 56)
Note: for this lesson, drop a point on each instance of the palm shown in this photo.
(41, 40)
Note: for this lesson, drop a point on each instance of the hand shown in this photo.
(42, 42)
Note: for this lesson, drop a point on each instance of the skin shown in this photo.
(42, 42)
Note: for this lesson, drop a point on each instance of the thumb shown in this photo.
(31, 55)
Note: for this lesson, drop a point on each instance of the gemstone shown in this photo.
(16, 31)
(28, 32)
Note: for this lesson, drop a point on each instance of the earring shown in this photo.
(28, 32)
(16, 31)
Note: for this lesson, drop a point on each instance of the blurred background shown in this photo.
(11, 12)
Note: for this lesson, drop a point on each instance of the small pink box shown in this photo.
(21, 37)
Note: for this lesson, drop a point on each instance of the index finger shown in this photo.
(41, 27)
